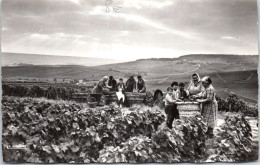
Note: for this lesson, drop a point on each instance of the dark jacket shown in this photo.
(113, 84)
(130, 85)
(141, 86)
(183, 94)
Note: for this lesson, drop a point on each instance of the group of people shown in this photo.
(199, 89)
(113, 86)
(120, 87)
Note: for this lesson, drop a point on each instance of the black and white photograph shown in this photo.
(129, 81)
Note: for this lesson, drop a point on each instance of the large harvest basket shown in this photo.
(92, 102)
(100, 98)
(188, 109)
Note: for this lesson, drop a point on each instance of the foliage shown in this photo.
(233, 104)
(49, 92)
(185, 142)
(233, 141)
(149, 98)
(59, 131)
(39, 130)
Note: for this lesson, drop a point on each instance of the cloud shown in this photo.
(141, 20)
(228, 37)
(147, 3)
(174, 27)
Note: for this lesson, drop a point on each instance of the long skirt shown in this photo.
(209, 112)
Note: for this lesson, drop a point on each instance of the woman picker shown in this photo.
(195, 87)
(209, 104)
(101, 85)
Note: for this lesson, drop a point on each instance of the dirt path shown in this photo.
(221, 78)
(252, 122)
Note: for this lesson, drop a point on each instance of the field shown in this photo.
(42, 123)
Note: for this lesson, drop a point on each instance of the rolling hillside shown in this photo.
(228, 72)
(15, 59)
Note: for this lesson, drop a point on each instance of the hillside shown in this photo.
(229, 73)
(187, 63)
(15, 59)
(150, 68)
(59, 71)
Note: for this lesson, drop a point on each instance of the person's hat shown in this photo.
(139, 76)
(110, 77)
(120, 79)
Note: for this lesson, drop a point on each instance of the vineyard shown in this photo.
(49, 91)
(41, 130)
(65, 92)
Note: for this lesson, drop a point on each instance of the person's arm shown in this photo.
(170, 99)
(104, 85)
(185, 95)
(209, 96)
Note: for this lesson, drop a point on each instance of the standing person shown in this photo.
(195, 87)
(182, 94)
(175, 96)
(112, 82)
(101, 85)
(130, 84)
(209, 104)
(120, 92)
(140, 85)
(170, 106)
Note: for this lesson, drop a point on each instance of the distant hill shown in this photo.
(15, 59)
(58, 71)
(228, 72)
(186, 64)
(150, 68)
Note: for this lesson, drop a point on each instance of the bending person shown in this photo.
(101, 85)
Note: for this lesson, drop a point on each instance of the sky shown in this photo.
(129, 29)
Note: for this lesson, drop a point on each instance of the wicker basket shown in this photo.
(92, 103)
(188, 109)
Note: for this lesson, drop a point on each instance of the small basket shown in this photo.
(92, 103)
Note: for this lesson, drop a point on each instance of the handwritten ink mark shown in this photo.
(110, 6)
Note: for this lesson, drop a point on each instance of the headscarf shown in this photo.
(105, 78)
(197, 76)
